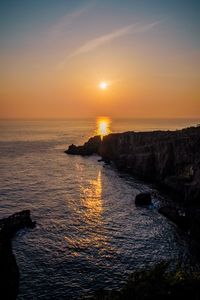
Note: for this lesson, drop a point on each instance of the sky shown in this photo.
(55, 53)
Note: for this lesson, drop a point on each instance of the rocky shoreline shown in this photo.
(9, 271)
(171, 159)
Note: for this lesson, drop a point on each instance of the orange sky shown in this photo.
(151, 64)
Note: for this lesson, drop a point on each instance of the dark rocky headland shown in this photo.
(9, 271)
(171, 159)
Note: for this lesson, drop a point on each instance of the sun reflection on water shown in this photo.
(92, 197)
(92, 203)
(92, 238)
(103, 126)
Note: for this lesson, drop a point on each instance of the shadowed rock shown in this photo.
(176, 216)
(143, 199)
(88, 148)
(9, 271)
(169, 158)
(9, 226)
(187, 219)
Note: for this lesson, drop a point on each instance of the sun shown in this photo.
(103, 85)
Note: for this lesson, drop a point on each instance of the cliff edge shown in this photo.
(169, 158)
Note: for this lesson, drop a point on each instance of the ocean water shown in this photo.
(89, 233)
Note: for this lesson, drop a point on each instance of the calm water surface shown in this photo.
(89, 233)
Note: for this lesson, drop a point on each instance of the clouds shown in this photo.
(104, 39)
(70, 18)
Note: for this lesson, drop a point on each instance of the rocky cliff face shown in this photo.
(170, 158)
(9, 271)
(90, 147)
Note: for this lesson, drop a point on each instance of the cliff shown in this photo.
(9, 271)
(90, 147)
(169, 158)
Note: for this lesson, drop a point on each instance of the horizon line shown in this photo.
(94, 117)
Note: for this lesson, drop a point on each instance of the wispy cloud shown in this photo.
(99, 41)
(69, 18)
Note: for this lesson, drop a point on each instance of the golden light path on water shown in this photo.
(103, 126)
(91, 203)
(91, 199)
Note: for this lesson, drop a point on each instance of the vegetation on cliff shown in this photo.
(154, 284)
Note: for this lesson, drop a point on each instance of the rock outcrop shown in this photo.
(187, 219)
(89, 148)
(9, 271)
(169, 158)
(177, 216)
(143, 199)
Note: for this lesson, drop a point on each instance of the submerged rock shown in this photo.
(143, 199)
(9, 271)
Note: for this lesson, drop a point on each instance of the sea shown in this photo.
(89, 233)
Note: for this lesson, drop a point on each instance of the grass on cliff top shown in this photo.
(156, 284)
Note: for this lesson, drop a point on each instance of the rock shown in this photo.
(169, 158)
(176, 216)
(9, 271)
(193, 215)
(107, 161)
(9, 226)
(187, 219)
(89, 148)
(143, 199)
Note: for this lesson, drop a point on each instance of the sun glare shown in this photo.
(103, 126)
(103, 85)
